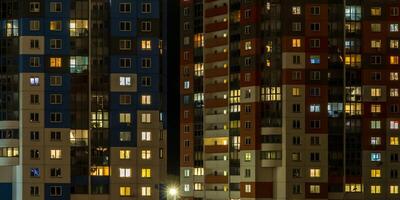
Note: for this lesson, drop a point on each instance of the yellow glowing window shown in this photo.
(394, 140)
(296, 42)
(100, 171)
(353, 108)
(375, 108)
(353, 60)
(376, 11)
(375, 189)
(248, 45)
(55, 25)
(55, 154)
(376, 43)
(353, 187)
(145, 99)
(146, 44)
(376, 92)
(295, 92)
(198, 40)
(315, 189)
(375, 173)
(146, 173)
(78, 28)
(125, 191)
(124, 154)
(315, 173)
(55, 62)
(394, 189)
(394, 60)
(146, 154)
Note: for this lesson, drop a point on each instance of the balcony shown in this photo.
(214, 42)
(216, 149)
(216, 118)
(214, 72)
(215, 57)
(216, 87)
(216, 26)
(215, 103)
(212, 12)
(215, 179)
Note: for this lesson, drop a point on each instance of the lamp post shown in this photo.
(172, 192)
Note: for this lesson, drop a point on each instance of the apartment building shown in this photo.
(82, 99)
(289, 99)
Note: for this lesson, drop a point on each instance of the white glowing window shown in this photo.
(125, 81)
(125, 172)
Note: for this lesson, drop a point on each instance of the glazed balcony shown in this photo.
(214, 42)
(214, 72)
(215, 179)
(216, 87)
(212, 12)
(216, 26)
(215, 57)
(216, 148)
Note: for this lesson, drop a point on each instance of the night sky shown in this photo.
(173, 86)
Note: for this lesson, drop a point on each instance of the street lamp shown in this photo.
(172, 192)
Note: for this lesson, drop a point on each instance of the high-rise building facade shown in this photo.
(82, 99)
(289, 99)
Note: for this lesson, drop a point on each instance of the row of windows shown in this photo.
(126, 191)
(55, 191)
(56, 7)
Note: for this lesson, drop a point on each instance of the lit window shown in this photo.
(78, 28)
(296, 42)
(145, 118)
(376, 11)
(394, 76)
(375, 108)
(146, 44)
(394, 44)
(394, 189)
(198, 186)
(146, 173)
(394, 27)
(55, 25)
(315, 173)
(125, 172)
(394, 92)
(353, 187)
(146, 191)
(34, 81)
(296, 10)
(375, 173)
(375, 189)
(124, 117)
(394, 125)
(125, 136)
(314, 59)
(146, 154)
(79, 64)
(271, 94)
(376, 43)
(247, 156)
(100, 171)
(186, 187)
(376, 92)
(247, 188)
(125, 191)
(55, 154)
(198, 40)
(247, 45)
(375, 27)
(198, 171)
(375, 124)
(376, 141)
(125, 81)
(295, 92)
(146, 136)
(186, 84)
(375, 157)
(55, 62)
(394, 140)
(315, 108)
(315, 189)
(394, 60)
(124, 154)
(145, 99)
